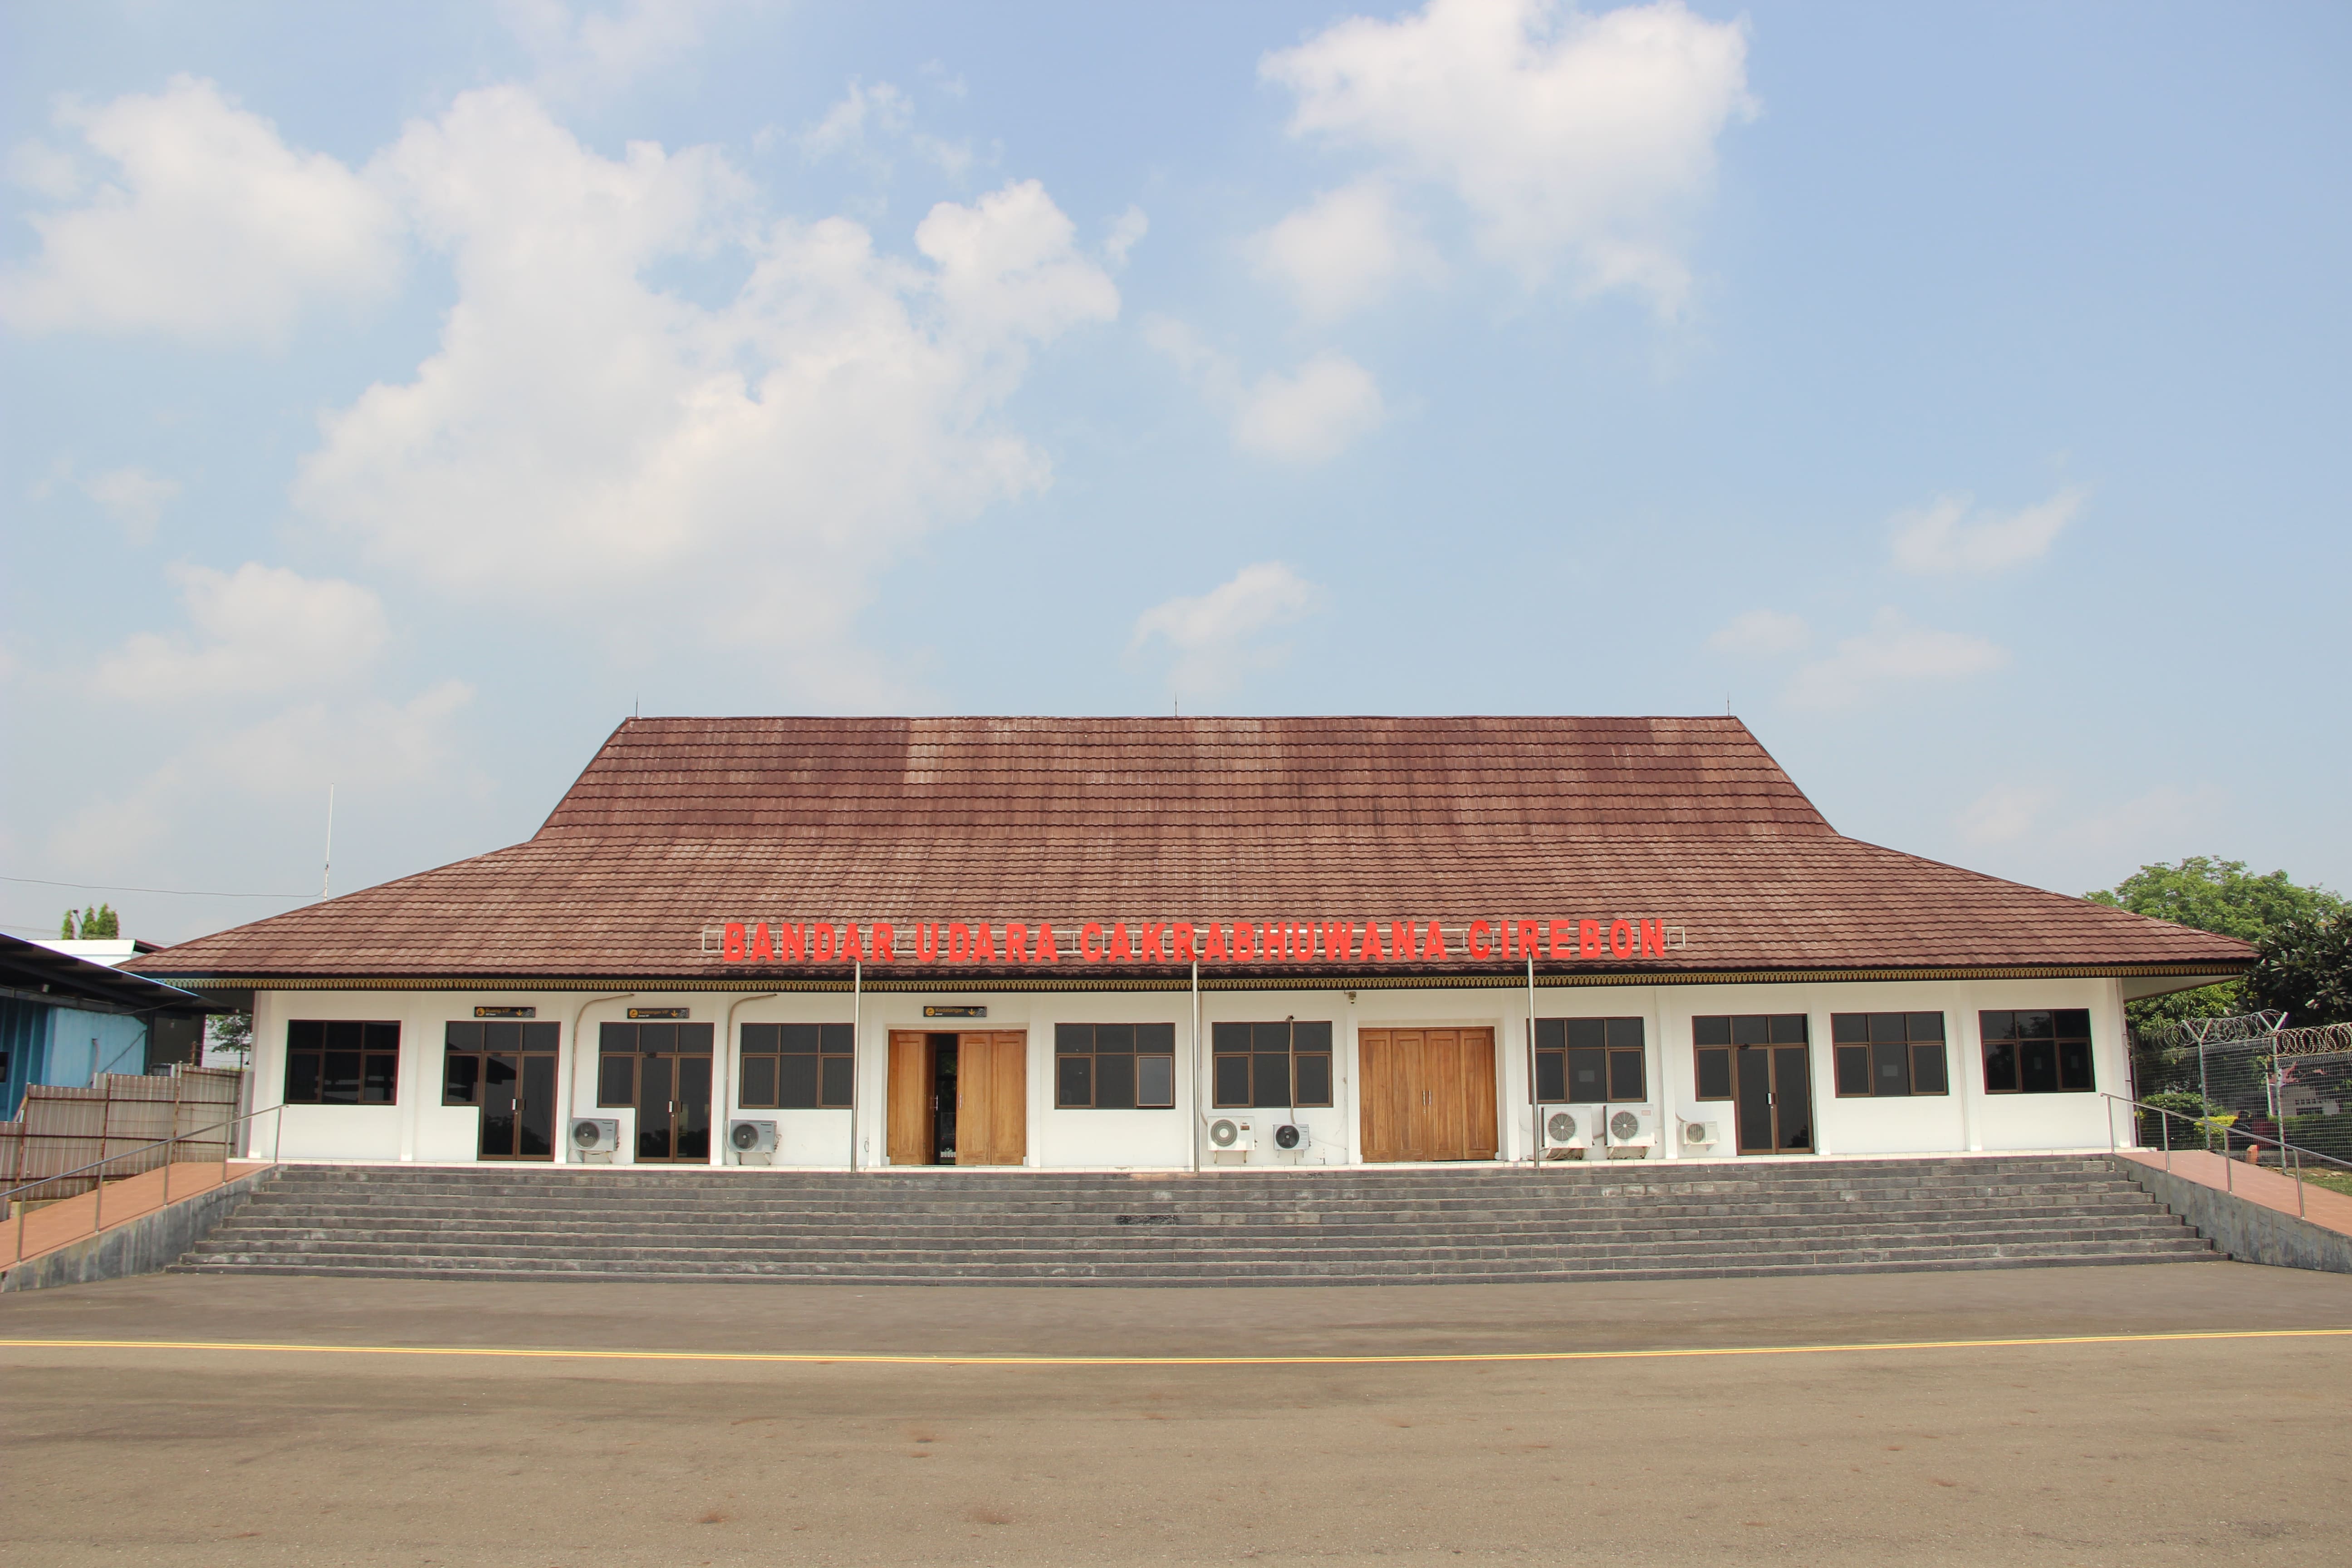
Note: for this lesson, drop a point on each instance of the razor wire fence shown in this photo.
(2246, 1077)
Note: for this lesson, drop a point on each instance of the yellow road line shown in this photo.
(856, 1359)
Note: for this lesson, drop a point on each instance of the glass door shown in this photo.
(1775, 1097)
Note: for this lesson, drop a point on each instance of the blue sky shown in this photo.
(397, 394)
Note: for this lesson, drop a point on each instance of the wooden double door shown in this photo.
(1427, 1094)
(959, 1098)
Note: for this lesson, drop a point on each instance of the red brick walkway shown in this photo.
(66, 1222)
(2270, 1188)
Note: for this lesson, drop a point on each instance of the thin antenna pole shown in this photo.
(327, 866)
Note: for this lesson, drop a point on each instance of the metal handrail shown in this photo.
(2229, 1167)
(98, 1206)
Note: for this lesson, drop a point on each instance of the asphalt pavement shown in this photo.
(1697, 1422)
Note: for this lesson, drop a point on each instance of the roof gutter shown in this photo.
(1319, 981)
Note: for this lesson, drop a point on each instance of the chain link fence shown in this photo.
(2248, 1074)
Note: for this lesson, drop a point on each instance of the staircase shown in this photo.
(1332, 1226)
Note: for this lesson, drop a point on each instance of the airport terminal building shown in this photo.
(1179, 944)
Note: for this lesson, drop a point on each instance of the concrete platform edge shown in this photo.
(143, 1245)
(2246, 1231)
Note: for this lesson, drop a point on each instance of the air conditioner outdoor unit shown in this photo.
(1700, 1133)
(1290, 1135)
(754, 1143)
(1632, 1127)
(1560, 1129)
(1228, 1134)
(595, 1137)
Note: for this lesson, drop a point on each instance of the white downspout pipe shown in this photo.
(567, 1093)
(722, 1093)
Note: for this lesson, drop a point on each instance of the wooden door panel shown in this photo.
(1008, 1119)
(1447, 1087)
(909, 1110)
(1373, 1115)
(991, 1082)
(1413, 1058)
(1481, 1140)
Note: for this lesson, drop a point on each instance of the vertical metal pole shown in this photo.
(1192, 1141)
(857, 1040)
(1535, 1111)
(2205, 1111)
(2164, 1121)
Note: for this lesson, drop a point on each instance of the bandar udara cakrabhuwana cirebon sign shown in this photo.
(1186, 941)
(1085, 942)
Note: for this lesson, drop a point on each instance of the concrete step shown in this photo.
(1487, 1223)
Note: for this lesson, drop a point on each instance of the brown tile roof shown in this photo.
(1164, 780)
(682, 824)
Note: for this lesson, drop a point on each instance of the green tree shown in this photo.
(2216, 896)
(100, 924)
(231, 1034)
(2306, 970)
(66, 932)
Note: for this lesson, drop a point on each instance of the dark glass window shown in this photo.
(1114, 1067)
(2037, 1050)
(1590, 1060)
(1716, 1038)
(1886, 1054)
(1715, 1072)
(1283, 1065)
(624, 1048)
(337, 1062)
(469, 1046)
(795, 1067)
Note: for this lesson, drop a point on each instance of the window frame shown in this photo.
(634, 1057)
(1727, 1048)
(1908, 1047)
(2016, 1046)
(368, 1047)
(832, 1084)
(1079, 1045)
(1259, 1063)
(525, 1031)
(1613, 1050)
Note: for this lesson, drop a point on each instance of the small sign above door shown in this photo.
(661, 1012)
(955, 1012)
(505, 1012)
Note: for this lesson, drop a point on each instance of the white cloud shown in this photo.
(1126, 231)
(1893, 653)
(1588, 140)
(1761, 633)
(1219, 636)
(407, 748)
(1343, 250)
(1312, 415)
(209, 227)
(582, 53)
(261, 629)
(133, 497)
(845, 125)
(2004, 813)
(580, 432)
(868, 120)
(1944, 538)
(1304, 417)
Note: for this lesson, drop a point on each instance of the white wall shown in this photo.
(419, 1128)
